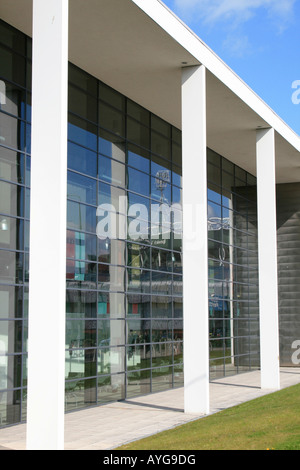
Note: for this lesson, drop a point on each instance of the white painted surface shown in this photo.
(168, 21)
(195, 264)
(46, 345)
(267, 248)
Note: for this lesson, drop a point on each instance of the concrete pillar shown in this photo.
(267, 248)
(47, 286)
(195, 264)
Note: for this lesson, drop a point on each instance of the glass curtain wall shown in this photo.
(124, 319)
(15, 105)
(233, 268)
(124, 269)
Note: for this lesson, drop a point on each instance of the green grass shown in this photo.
(270, 422)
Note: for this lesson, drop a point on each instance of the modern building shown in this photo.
(149, 214)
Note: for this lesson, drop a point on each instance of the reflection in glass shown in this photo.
(82, 160)
(82, 132)
(81, 304)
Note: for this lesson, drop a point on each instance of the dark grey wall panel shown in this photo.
(288, 233)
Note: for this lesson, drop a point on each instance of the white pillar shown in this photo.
(267, 248)
(46, 344)
(195, 264)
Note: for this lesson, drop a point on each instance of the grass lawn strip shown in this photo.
(269, 422)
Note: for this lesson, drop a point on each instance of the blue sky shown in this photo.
(259, 40)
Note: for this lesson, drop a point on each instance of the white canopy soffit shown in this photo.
(139, 48)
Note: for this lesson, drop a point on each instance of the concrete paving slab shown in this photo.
(109, 426)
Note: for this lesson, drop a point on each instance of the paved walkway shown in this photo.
(110, 426)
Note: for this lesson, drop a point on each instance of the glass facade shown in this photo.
(233, 268)
(15, 99)
(124, 288)
(124, 318)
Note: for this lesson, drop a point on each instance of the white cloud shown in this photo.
(212, 11)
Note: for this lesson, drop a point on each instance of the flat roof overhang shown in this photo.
(139, 46)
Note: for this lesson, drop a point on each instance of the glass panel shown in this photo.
(178, 336)
(83, 80)
(161, 190)
(161, 307)
(111, 171)
(112, 196)
(139, 305)
(138, 113)
(111, 96)
(81, 304)
(138, 182)
(138, 357)
(11, 267)
(160, 145)
(177, 175)
(162, 330)
(176, 156)
(11, 233)
(81, 334)
(138, 158)
(160, 126)
(213, 174)
(111, 388)
(177, 196)
(138, 227)
(12, 38)
(82, 104)
(111, 305)
(111, 333)
(162, 354)
(162, 379)
(111, 251)
(14, 102)
(138, 206)
(161, 283)
(161, 168)
(82, 132)
(138, 383)
(12, 66)
(11, 165)
(214, 158)
(137, 133)
(111, 277)
(12, 132)
(10, 407)
(111, 360)
(82, 189)
(161, 260)
(138, 280)
(80, 271)
(138, 256)
(178, 308)
(112, 146)
(10, 337)
(81, 217)
(81, 246)
(111, 119)
(82, 160)
(138, 331)
(11, 302)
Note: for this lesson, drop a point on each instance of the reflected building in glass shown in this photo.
(124, 266)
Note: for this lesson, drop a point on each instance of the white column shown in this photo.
(195, 264)
(46, 344)
(267, 248)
